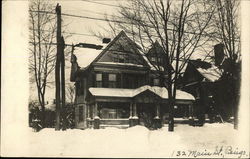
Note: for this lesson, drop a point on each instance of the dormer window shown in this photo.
(160, 60)
(153, 59)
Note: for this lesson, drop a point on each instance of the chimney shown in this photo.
(218, 54)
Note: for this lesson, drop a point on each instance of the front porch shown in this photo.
(129, 107)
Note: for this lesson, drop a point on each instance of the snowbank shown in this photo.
(136, 141)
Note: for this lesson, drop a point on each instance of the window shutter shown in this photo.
(118, 80)
(105, 80)
(93, 80)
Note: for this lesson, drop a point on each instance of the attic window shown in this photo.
(153, 59)
(121, 58)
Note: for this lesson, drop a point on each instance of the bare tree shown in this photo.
(42, 52)
(226, 26)
(180, 27)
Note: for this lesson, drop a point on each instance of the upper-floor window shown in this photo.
(112, 80)
(156, 81)
(98, 79)
(160, 60)
(157, 60)
(153, 59)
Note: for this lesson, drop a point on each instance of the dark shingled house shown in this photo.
(119, 88)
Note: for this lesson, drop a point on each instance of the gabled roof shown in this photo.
(211, 74)
(209, 71)
(107, 48)
(156, 48)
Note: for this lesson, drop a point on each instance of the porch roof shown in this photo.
(121, 92)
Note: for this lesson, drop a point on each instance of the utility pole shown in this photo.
(57, 67)
(63, 85)
(60, 71)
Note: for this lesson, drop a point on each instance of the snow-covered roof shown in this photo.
(212, 74)
(113, 92)
(86, 55)
(121, 64)
(120, 92)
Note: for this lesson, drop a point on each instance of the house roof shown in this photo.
(86, 57)
(120, 64)
(209, 71)
(212, 74)
(120, 92)
(95, 55)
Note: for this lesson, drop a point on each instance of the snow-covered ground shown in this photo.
(137, 141)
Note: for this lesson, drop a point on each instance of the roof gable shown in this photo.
(199, 70)
(121, 50)
(156, 49)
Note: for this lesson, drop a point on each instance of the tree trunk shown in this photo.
(171, 111)
(43, 112)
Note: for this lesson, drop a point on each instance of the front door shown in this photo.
(146, 114)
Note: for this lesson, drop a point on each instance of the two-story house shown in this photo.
(201, 80)
(120, 87)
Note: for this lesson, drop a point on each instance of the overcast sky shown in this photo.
(81, 26)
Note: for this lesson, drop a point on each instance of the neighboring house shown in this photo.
(120, 87)
(200, 79)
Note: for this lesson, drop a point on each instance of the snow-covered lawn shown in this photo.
(136, 141)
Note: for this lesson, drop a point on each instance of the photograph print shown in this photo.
(137, 78)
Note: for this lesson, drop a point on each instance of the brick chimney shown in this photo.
(74, 67)
(219, 54)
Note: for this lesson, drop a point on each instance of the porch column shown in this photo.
(96, 117)
(191, 119)
(88, 115)
(135, 119)
(135, 110)
(131, 114)
(157, 120)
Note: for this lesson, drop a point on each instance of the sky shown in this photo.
(76, 26)
(94, 9)
(81, 26)
(85, 26)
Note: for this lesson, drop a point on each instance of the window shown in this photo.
(153, 59)
(156, 82)
(159, 60)
(126, 59)
(115, 57)
(121, 58)
(112, 80)
(98, 80)
(114, 110)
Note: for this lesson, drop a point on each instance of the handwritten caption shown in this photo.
(219, 151)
